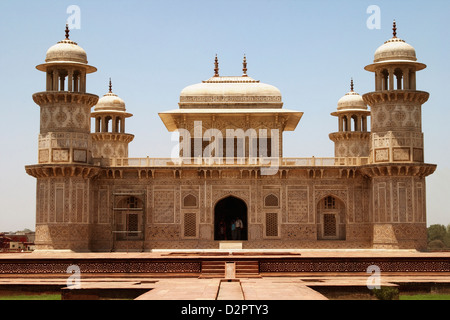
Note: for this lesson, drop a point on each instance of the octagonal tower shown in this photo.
(352, 139)
(397, 167)
(64, 164)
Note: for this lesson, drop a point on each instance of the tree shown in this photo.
(436, 232)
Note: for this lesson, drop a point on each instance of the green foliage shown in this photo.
(386, 293)
(438, 237)
(436, 232)
(436, 244)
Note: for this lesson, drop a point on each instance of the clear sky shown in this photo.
(153, 49)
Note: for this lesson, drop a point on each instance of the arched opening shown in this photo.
(398, 73)
(345, 122)
(355, 126)
(190, 201)
(107, 120)
(227, 212)
(128, 219)
(98, 124)
(331, 220)
(271, 201)
(384, 80)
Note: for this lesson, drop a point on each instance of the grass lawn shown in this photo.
(32, 297)
(425, 297)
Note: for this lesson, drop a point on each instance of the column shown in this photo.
(357, 123)
(103, 124)
(49, 81)
(55, 80)
(391, 79)
(341, 124)
(70, 81)
(406, 79)
(114, 124)
(76, 85)
(83, 82)
(122, 126)
(97, 124)
(413, 80)
(378, 79)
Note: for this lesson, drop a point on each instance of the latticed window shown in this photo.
(271, 201)
(190, 224)
(329, 225)
(271, 224)
(132, 224)
(330, 202)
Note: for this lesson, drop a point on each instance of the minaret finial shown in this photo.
(394, 29)
(110, 86)
(216, 67)
(351, 85)
(244, 67)
(67, 31)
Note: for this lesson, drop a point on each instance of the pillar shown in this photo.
(55, 80)
(70, 81)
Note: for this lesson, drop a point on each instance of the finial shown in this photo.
(110, 86)
(244, 69)
(394, 29)
(351, 85)
(216, 67)
(67, 31)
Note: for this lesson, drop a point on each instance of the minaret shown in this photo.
(397, 169)
(352, 139)
(109, 141)
(64, 164)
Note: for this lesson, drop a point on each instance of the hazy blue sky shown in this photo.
(153, 49)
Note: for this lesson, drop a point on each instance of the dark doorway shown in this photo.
(226, 212)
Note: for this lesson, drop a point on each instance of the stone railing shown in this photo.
(211, 161)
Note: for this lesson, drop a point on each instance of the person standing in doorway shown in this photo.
(239, 227)
(233, 230)
(223, 230)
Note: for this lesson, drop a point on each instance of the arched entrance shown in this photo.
(226, 211)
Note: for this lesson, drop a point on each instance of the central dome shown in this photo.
(232, 92)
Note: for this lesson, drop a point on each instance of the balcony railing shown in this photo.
(226, 162)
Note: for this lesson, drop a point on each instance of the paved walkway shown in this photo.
(243, 289)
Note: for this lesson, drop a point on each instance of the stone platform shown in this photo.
(256, 275)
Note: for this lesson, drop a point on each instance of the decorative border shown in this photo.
(270, 265)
